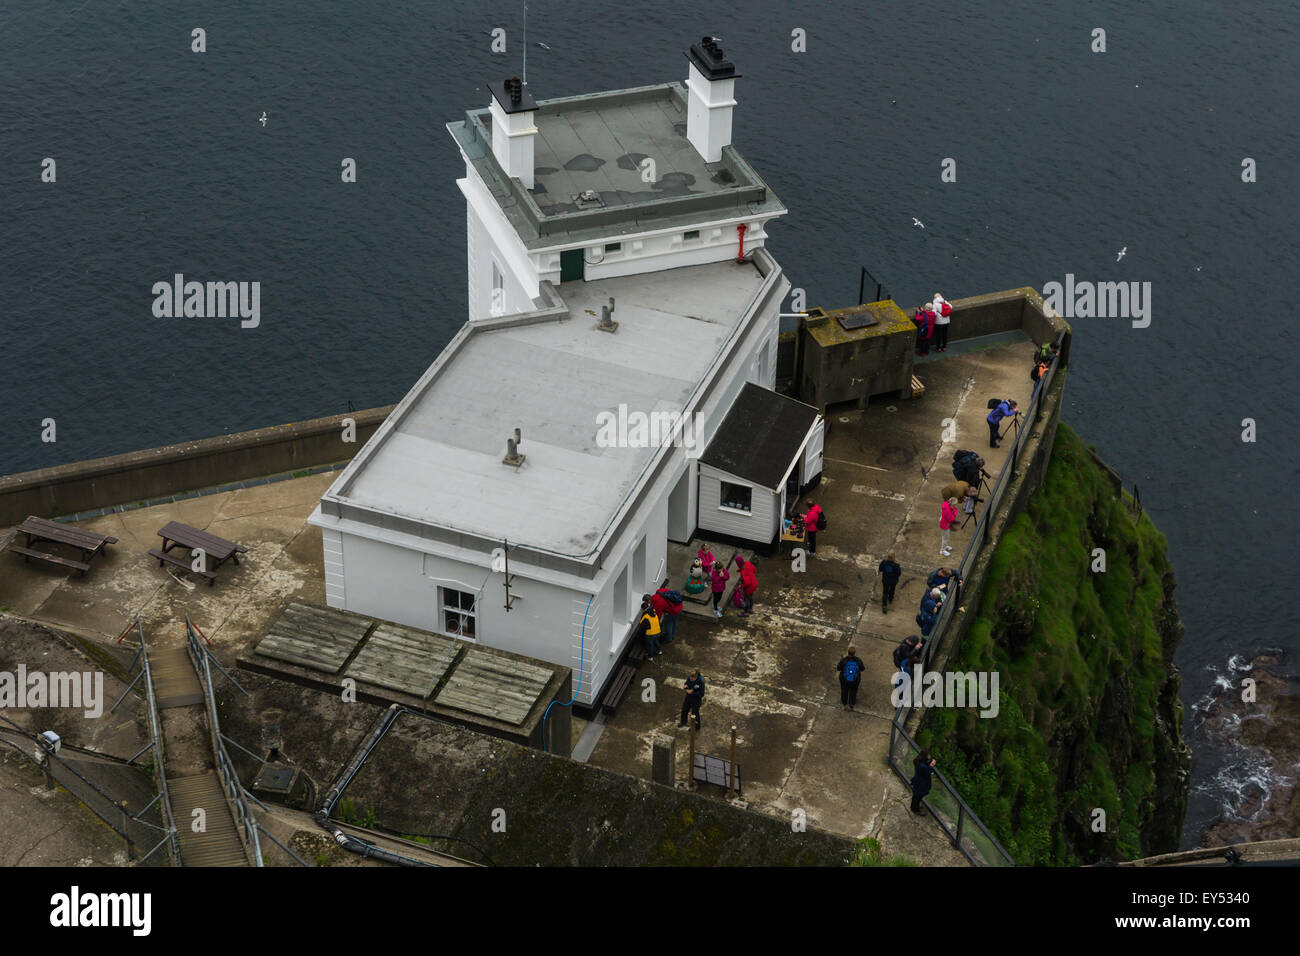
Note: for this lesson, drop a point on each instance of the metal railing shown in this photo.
(961, 813)
(966, 831)
(160, 759)
(881, 292)
(112, 812)
(245, 822)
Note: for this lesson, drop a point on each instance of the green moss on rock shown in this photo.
(1089, 721)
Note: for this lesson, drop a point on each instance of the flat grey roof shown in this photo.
(441, 459)
(597, 141)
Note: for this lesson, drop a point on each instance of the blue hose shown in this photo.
(582, 647)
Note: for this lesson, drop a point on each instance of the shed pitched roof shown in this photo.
(760, 437)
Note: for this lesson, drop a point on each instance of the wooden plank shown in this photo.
(51, 558)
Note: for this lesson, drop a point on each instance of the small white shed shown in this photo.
(768, 449)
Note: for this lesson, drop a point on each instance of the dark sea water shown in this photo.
(1064, 157)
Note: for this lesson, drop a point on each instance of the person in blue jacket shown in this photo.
(1006, 409)
(929, 615)
(921, 778)
(943, 579)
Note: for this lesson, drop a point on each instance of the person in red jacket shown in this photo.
(669, 613)
(810, 524)
(748, 584)
(924, 319)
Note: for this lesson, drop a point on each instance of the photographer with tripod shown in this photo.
(1005, 408)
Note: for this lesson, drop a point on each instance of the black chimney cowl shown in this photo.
(708, 58)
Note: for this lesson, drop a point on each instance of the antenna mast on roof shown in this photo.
(525, 44)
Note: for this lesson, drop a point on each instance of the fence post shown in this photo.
(961, 819)
(731, 769)
(690, 767)
(126, 831)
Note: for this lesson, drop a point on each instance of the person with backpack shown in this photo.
(924, 319)
(967, 466)
(648, 628)
(717, 584)
(694, 697)
(668, 605)
(813, 521)
(850, 670)
(929, 613)
(890, 571)
(923, 771)
(748, 584)
(1005, 408)
(948, 516)
(942, 311)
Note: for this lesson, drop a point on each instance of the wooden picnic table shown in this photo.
(216, 550)
(43, 530)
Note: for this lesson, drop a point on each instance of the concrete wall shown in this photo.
(875, 365)
(176, 469)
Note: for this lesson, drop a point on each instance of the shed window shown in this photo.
(740, 497)
(692, 234)
(613, 246)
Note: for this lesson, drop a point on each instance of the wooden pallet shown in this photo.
(918, 387)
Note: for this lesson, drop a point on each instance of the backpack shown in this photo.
(737, 598)
(850, 670)
(902, 652)
(994, 402)
(821, 521)
(946, 309)
(672, 597)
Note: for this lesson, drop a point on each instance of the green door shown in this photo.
(570, 264)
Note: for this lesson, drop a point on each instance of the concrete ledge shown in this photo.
(173, 469)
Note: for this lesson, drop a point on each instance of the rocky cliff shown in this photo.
(1085, 760)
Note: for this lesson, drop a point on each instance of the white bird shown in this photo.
(262, 120)
(917, 222)
(1122, 253)
(542, 45)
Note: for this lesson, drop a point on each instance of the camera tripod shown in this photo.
(1015, 423)
(982, 486)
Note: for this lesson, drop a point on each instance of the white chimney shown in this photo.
(711, 85)
(513, 127)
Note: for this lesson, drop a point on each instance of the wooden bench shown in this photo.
(215, 550)
(51, 557)
(618, 689)
(182, 563)
(89, 543)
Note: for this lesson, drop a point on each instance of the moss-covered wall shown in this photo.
(1089, 716)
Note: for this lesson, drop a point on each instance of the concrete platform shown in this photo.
(773, 675)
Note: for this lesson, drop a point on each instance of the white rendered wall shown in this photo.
(512, 142)
(709, 108)
(489, 237)
(654, 252)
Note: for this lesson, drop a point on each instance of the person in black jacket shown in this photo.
(921, 779)
(890, 572)
(850, 670)
(694, 697)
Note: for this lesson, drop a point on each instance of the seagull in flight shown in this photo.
(1122, 253)
(917, 222)
(262, 120)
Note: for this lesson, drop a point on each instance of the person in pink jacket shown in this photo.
(706, 558)
(718, 583)
(948, 516)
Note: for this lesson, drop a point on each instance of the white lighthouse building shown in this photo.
(617, 273)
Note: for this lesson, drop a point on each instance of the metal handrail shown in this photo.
(965, 815)
(230, 783)
(160, 772)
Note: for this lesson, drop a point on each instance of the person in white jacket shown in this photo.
(942, 316)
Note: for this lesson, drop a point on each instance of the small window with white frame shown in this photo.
(737, 497)
(456, 613)
(613, 247)
(690, 234)
(498, 303)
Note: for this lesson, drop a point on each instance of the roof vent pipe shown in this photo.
(513, 458)
(606, 323)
